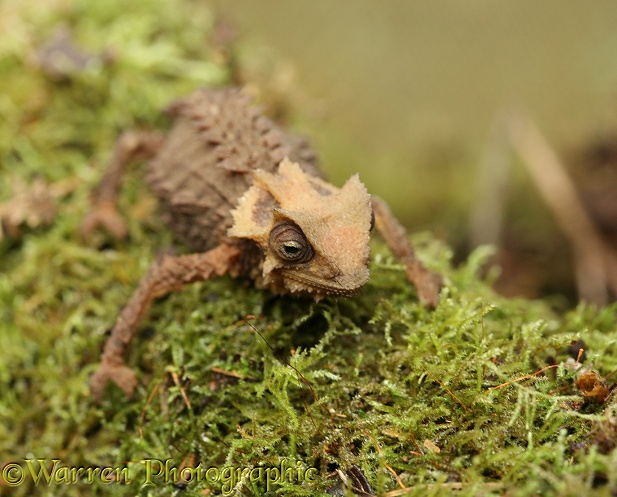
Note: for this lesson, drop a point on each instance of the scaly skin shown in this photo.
(248, 198)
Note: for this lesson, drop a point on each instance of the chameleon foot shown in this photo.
(105, 215)
(123, 376)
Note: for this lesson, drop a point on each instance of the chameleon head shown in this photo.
(314, 236)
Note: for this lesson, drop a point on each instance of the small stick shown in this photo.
(397, 477)
(445, 388)
(595, 263)
(522, 378)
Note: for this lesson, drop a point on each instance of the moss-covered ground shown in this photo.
(471, 398)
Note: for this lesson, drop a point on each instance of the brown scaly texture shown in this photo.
(247, 197)
(201, 170)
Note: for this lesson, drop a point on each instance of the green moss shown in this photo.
(368, 381)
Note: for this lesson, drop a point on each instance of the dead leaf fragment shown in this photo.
(593, 386)
(431, 446)
(32, 205)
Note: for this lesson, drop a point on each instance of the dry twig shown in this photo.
(595, 262)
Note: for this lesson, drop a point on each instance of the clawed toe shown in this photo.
(123, 376)
(104, 216)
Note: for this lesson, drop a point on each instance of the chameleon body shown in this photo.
(248, 198)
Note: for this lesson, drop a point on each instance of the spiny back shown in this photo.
(203, 168)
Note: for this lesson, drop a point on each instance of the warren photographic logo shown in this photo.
(154, 472)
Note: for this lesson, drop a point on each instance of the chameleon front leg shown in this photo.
(427, 283)
(130, 146)
(166, 274)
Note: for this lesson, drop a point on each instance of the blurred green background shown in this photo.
(410, 76)
(407, 93)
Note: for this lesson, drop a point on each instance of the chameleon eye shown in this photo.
(289, 243)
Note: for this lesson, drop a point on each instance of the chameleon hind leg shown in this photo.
(131, 145)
